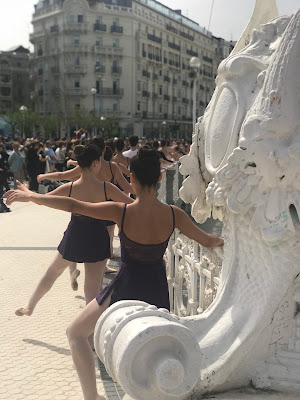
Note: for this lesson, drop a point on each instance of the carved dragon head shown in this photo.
(247, 142)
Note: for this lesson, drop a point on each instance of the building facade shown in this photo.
(135, 53)
(14, 79)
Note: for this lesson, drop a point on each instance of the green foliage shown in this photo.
(51, 126)
(24, 120)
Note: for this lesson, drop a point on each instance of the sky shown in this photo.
(229, 17)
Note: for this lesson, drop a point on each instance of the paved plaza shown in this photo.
(35, 360)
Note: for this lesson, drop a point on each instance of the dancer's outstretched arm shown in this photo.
(70, 175)
(186, 226)
(111, 211)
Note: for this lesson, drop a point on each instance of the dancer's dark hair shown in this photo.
(146, 167)
(85, 155)
(99, 142)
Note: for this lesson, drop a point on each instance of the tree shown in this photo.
(51, 126)
(25, 120)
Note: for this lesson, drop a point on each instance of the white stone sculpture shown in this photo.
(244, 168)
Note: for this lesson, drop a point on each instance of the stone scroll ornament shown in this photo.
(243, 168)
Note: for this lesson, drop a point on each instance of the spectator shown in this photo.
(60, 154)
(50, 153)
(33, 164)
(133, 141)
(3, 177)
(16, 164)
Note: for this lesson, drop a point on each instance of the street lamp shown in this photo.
(195, 65)
(164, 123)
(23, 110)
(102, 122)
(94, 91)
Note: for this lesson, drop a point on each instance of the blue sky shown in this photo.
(229, 17)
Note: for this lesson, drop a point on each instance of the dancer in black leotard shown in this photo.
(145, 227)
(86, 239)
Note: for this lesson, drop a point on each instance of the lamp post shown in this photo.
(94, 91)
(103, 119)
(23, 110)
(195, 65)
(164, 123)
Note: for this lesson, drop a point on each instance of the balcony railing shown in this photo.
(155, 76)
(116, 69)
(75, 27)
(100, 69)
(174, 46)
(77, 92)
(54, 28)
(111, 92)
(167, 79)
(167, 97)
(154, 38)
(192, 53)
(207, 59)
(55, 70)
(146, 74)
(76, 69)
(193, 272)
(100, 27)
(116, 29)
(145, 93)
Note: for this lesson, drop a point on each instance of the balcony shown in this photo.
(167, 97)
(150, 56)
(116, 29)
(54, 70)
(40, 53)
(100, 27)
(75, 27)
(185, 100)
(146, 94)
(154, 76)
(154, 38)
(116, 70)
(111, 92)
(157, 58)
(76, 69)
(174, 46)
(207, 59)
(146, 74)
(192, 53)
(167, 79)
(76, 48)
(100, 69)
(54, 29)
(108, 50)
(77, 92)
(144, 54)
(165, 60)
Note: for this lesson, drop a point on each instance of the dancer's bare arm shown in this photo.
(115, 194)
(120, 180)
(106, 210)
(123, 169)
(70, 175)
(186, 226)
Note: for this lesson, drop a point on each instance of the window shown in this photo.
(138, 106)
(98, 63)
(116, 22)
(71, 19)
(98, 20)
(76, 40)
(116, 105)
(80, 18)
(139, 86)
(160, 91)
(77, 82)
(116, 43)
(98, 41)
(77, 61)
(160, 109)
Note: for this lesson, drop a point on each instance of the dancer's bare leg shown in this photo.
(74, 273)
(78, 332)
(93, 280)
(56, 268)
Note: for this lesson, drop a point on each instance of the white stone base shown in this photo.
(248, 394)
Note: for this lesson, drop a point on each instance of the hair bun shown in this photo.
(79, 150)
(147, 154)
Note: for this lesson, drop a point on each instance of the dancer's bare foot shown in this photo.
(109, 270)
(73, 276)
(23, 311)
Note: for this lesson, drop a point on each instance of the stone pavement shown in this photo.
(35, 360)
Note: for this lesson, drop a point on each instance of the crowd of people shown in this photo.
(112, 182)
(24, 159)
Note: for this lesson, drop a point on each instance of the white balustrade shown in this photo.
(193, 272)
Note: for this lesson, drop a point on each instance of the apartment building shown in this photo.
(14, 79)
(135, 53)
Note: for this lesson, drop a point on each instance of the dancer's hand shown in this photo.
(22, 194)
(216, 242)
